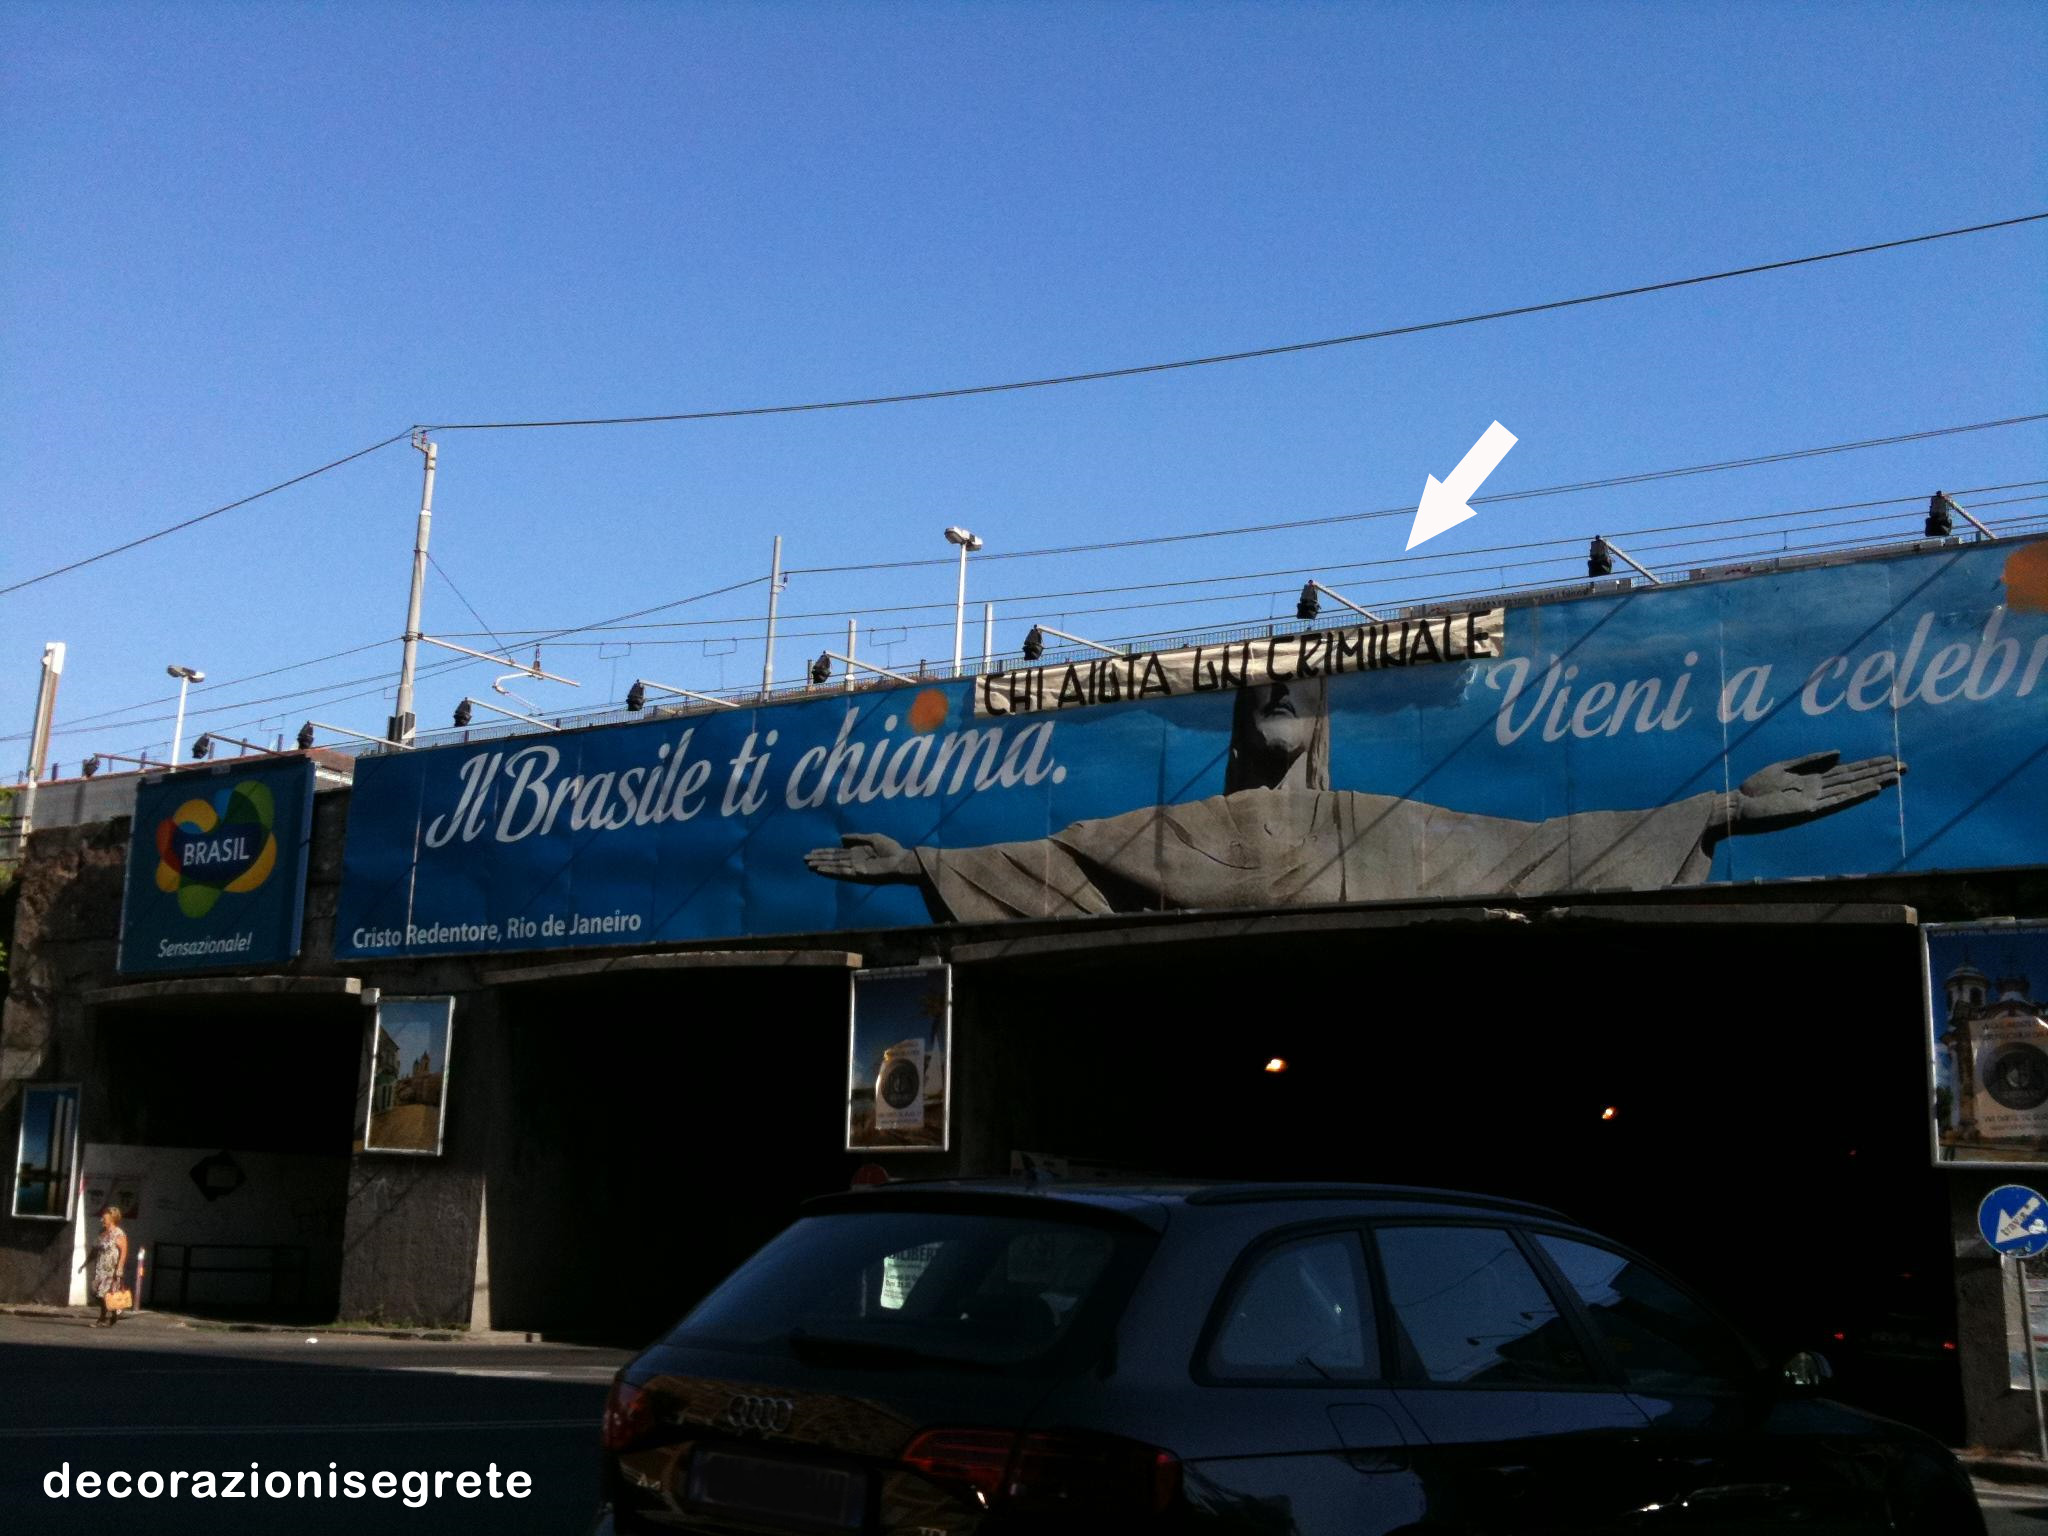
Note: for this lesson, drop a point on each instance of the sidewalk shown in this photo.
(2004, 1467)
(150, 1319)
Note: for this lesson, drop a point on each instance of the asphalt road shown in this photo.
(2014, 1510)
(149, 1396)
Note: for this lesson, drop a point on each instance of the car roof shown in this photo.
(1142, 1197)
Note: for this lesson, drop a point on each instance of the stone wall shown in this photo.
(67, 918)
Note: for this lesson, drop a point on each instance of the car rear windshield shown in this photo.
(920, 1288)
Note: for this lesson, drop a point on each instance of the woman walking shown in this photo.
(109, 1260)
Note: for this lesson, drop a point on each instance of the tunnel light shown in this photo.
(1277, 1064)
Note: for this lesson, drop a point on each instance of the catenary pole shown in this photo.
(774, 592)
(401, 727)
(39, 740)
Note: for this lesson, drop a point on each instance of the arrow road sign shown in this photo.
(1443, 502)
(2013, 1221)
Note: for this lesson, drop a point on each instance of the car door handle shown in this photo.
(1730, 1493)
(1379, 1462)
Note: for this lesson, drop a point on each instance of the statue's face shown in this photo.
(1284, 728)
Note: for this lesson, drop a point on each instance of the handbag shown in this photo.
(118, 1301)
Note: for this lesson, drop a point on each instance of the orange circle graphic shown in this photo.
(928, 710)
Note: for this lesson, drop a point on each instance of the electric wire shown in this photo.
(1063, 379)
(1409, 508)
(432, 669)
(193, 522)
(1012, 599)
(561, 633)
(1098, 375)
(106, 716)
(1445, 596)
(436, 564)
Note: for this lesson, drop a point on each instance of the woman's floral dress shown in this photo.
(106, 1262)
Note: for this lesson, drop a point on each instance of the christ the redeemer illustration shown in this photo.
(1279, 835)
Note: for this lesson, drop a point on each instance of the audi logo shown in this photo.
(768, 1415)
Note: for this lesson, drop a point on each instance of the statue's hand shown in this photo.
(1805, 788)
(866, 857)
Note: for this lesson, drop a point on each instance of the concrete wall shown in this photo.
(409, 1251)
(66, 927)
(1996, 1415)
(292, 1201)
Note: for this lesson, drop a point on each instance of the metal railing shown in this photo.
(174, 1266)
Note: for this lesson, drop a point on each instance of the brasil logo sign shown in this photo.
(225, 844)
(217, 866)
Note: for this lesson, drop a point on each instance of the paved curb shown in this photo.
(2004, 1467)
(150, 1318)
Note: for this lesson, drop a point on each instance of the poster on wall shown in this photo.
(409, 1074)
(900, 1060)
(216, 872)
(1987, 1038)
(1749, 728)
(46, 1153)
(123, 1191)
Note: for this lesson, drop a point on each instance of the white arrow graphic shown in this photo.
(1443, 502)
(2013, 1225)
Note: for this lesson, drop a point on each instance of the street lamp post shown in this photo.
(186, 677)
(968, 543)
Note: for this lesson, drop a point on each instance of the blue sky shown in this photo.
(242, 240)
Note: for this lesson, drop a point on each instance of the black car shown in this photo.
(1289, 1360)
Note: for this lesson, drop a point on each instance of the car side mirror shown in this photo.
(1807, 1371)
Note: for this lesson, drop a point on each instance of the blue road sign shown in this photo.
(2014, 1221)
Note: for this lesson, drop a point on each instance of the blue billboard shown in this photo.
(1869, 716)
(217, 867)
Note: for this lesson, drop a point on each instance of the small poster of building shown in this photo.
(409, 1074)
(1988, 1041)
(899, 1060)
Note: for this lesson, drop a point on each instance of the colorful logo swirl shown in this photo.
(207, 847)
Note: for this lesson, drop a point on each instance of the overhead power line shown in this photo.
(451, 664)
(1100, 374)
(107, 716)
(193, 522)
(107, 719)
(465, 601)
(1408, 508)
(2012, 525)
(1576, 544)
(1094, 376)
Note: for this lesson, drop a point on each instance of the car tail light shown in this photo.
(1077, 1469)
(976, 1457)
(628, 1417)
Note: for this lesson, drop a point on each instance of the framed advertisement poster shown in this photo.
(900, 1060)
(46, 1154)
(1987, 1042)
(409, 1074)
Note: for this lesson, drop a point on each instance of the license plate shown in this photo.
(817, 1497)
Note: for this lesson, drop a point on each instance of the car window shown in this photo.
(1299, 1313)
(1469, 1308)
(1662, 1339)
(933, 1286)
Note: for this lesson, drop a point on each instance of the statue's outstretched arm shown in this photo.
(867, 858)
(1803, 789)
